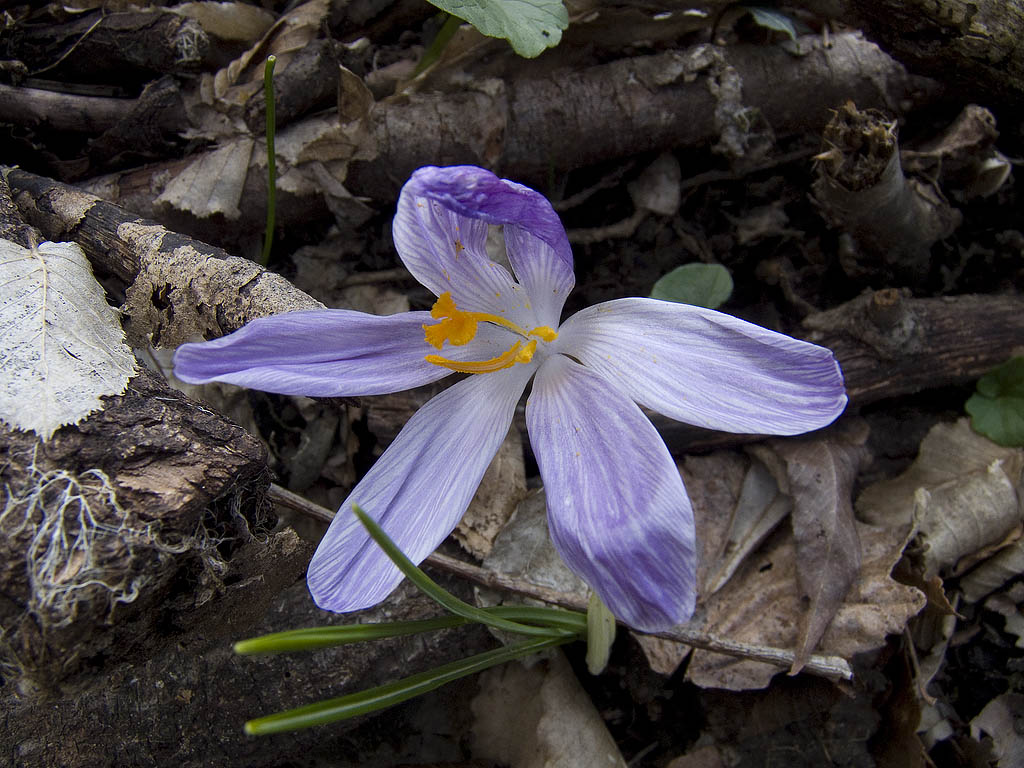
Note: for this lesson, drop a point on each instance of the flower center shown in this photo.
(458, 328)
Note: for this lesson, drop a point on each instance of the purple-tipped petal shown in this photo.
(707, 368)
(440, 228)
(617, 509)
(320, 353)
(417, 490)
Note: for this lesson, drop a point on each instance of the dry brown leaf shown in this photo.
(1000, 720)
(212, 183)
(961, 490)
(502, 488)
(555, 722)
(238, 22)
(760, 604)
(819, 479)
(759, 509)
(232, 86)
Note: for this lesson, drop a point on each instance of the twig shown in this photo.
(831, 667)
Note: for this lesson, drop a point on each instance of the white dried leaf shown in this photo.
(211, 183)
(63, 344)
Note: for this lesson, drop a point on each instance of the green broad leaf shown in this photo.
(703, 285)
(600, 634)
(997, 408)
(384, 696)
(442, 597)
(769, 18)
(531, 26)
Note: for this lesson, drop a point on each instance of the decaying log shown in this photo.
(185, 705)
(121, 48)
(730, 97)
(975, 45)
(147, 517)
(861, 188)
(177, 289)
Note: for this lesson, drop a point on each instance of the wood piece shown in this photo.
(600, 113)
(861, 188)
(831, 667)
(974, 45)
(177, 288)
(127, 525)
(124, 48)
(629, 106)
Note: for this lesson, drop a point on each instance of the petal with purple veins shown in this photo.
(327, 353)
(617, 509)
(707, 368)
(417, 490)
(440, 228)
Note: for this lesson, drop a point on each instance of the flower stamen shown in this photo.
(458, 328)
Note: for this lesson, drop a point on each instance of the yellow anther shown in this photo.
(459, 328)
(544, 333)
(505, 360)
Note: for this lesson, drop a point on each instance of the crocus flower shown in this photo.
(618, 513)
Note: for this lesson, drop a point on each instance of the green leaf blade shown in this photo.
(530, 26)
(387, 695)
(703, 285)
(443, 598)
(314, 638)
(997, 408)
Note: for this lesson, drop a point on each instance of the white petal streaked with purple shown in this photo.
(417, 490)
(707, 368)
(316, 353)
(617, 509)
(440, 228)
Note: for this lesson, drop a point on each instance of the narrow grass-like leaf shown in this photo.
(441, 40)
(443, 598)
(383, 696)
(312, 638)
(268, 93)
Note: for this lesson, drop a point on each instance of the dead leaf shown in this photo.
(961, 489)
(239, 22)
(760, 604)
(556, 724)
(759, 509)
(502, 488)
(212, 183)
(819, 479)
(232, 86)
(1000, 719)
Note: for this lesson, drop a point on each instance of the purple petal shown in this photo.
(319, 353)
(617, 509)
(440, 228)
(417, 490)
(707, 368)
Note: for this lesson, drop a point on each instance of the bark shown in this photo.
(977, 46)
(125, 48)
(861, 188)
(888, 345)
(176, 288)
(145, 518)
(527, 128)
